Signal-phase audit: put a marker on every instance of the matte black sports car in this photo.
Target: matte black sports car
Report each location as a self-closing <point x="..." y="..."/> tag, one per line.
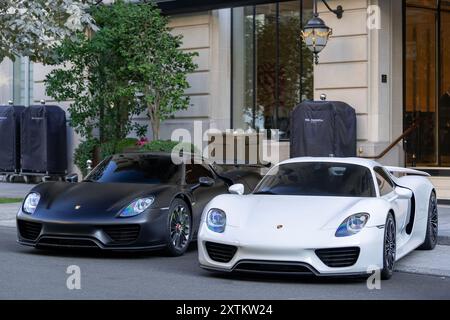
<point x="138" y="201"/>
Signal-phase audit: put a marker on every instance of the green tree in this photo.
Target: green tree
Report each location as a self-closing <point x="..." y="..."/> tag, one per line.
<point x="32" y="27"/>
<point x="130" y="65"/>
<point x="158" y="66"/>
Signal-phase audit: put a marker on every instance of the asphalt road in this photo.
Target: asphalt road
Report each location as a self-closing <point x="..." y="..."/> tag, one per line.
<point x="26" y="273"/>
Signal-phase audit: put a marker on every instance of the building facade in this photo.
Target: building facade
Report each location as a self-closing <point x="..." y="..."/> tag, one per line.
<point x="389" y="59"/>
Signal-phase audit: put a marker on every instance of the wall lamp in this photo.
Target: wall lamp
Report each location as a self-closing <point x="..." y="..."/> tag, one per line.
<point x="316" y="33"/>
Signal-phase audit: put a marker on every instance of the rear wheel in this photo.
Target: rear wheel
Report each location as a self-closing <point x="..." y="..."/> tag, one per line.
<point x="389" y="248"/>
<point x="179" y="228"/>
<point x="431" y="236"/>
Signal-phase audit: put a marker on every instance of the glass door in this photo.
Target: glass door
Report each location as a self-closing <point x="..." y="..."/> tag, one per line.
<point x="427" y="82"/>
<point x="444" y="91"/>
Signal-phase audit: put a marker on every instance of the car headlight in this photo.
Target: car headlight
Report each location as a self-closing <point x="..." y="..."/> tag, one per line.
<point x="136" y="207"/>
<point x="31" y="202"/>
<point x="216" y="220"/>
<point x="352" y="225"/>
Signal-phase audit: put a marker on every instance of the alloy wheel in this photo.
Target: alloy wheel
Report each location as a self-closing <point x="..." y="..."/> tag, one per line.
<point x="180" y="227"/>
<point x="390" y="245"/>
<point x="433" y="218"/>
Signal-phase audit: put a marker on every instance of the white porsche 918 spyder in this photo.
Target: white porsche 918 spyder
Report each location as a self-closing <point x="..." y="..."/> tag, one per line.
<point x="321" y="216"/>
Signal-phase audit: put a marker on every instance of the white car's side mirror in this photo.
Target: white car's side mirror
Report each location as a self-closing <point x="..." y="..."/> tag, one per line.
<point x="237" y="189"/>
<point x="403" y="193"/>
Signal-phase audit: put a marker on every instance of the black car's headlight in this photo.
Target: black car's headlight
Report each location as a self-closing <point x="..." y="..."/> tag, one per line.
<point x="31" y="202"/>
<point x="352" y="225"/>
<point x="216" y="220"/>
<point x="137" y="207"/>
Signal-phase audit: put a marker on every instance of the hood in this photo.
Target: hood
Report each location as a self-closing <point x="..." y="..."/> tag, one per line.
<point x="95" y="200"/>
<point x="301" y="217"/>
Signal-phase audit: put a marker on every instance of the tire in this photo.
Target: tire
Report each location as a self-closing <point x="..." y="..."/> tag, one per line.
<point x="179" y="228"/>
<point x="389" y="248"/>
<point x="431" y="236"/>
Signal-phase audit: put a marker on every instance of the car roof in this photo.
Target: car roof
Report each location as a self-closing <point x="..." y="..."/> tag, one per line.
<point x="162" y="154"/>
<point x="356" y="161"/>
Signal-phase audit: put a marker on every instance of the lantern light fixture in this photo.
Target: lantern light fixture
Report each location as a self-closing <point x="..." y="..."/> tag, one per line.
<point x="316" y="33"/>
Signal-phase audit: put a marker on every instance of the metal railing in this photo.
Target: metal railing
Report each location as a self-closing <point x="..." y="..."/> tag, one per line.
<point x="404" y="135"/>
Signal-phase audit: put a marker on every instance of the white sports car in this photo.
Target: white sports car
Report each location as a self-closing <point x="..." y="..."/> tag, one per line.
<point x="321" y="216"/>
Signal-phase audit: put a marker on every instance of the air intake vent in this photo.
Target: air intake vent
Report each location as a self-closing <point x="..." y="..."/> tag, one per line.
<point x="66" y="242"/>
<point x="123" y="234"/>
<point x="273" y="267"/>
<point x="29" y="230"/>
<point x="220" y="252"/>
<point x="338" y="257"/>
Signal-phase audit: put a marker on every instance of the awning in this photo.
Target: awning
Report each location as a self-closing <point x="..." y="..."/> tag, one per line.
<point x="186" y="6"/>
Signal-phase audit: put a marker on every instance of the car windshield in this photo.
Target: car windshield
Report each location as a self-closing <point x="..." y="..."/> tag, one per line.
<point x="318" y="179"/>
<point x="148" y="169"/>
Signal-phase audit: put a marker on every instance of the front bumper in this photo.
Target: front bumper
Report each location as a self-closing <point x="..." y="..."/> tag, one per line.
<point x="143" y="232"/>
<point x="270" y="257"/>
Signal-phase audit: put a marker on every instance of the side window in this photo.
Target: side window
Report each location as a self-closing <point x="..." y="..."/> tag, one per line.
<point x="195" y="171"/>
<point x="384" y="182"/>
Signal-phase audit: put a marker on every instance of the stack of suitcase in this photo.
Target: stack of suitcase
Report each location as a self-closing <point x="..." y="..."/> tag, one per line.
<point x="33" y="140"/>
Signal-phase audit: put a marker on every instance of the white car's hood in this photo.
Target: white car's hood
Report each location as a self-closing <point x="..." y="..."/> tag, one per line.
<point x="288" y="217"/>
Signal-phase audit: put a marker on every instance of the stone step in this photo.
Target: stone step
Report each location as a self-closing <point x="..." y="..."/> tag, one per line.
<point x="442" y="185"/>
<point x="440" y="177"/>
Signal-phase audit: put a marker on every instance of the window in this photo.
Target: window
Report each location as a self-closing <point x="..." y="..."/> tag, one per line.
<point x="22" y="81"/>
<point x="136" y="169"/>
<point x="324" y="179"/>
<point x="272" y="68"/>
<point x="384" y="182"/>
<point x="195" y="172"/>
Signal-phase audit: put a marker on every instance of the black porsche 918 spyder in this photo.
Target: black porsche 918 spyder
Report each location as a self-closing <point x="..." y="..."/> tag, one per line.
<point x="136" y="201"/>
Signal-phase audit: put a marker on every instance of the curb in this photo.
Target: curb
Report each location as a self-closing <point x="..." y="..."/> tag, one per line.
<point x="444" y="240"/>
<point x="422" y="271"/>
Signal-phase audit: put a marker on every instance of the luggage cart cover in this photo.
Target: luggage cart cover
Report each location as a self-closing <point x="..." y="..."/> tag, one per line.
<point x="44" y="139"/>
<point x="323" y="129"/>
<point x="10" y="138"/>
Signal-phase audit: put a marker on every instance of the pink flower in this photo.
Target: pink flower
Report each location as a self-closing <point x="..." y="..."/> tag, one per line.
<point x="142" y="141"/>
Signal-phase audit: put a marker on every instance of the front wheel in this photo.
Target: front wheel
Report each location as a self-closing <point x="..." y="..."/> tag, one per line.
<point x="389" y="248"/>
<point x="431" y="236"/>
<point x="179" y="228"/>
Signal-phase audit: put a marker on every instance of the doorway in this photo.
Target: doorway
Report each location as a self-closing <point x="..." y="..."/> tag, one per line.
<point x="427" y="82"/>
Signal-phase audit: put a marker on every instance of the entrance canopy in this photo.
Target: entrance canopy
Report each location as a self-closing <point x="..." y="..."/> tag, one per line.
<point x="183" y="6"/>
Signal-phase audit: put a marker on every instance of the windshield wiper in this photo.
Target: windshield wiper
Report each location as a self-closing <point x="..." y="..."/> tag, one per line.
<point x="265" y="192"/>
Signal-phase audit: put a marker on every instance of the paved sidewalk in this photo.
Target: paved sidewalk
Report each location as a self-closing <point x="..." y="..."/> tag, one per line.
<point x="444" y="225"/>
<point x="14" y="190"/>
<point x="436" y="262"/>
<point x="8" y="214"/>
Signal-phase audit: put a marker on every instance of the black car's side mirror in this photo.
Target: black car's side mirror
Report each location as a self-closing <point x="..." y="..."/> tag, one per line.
<point x="206" y="182"/>
<point x="72" y="178"/>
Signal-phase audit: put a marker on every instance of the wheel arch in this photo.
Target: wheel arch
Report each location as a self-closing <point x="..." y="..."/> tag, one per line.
<point x="391" y="210"/>
<point x="186" y="199"/>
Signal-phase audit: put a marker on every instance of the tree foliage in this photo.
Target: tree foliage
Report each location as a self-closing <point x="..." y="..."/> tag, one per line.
<point x="157" y="66"/>
<point x="131" y="65"/>
<point x="33" y="27"/>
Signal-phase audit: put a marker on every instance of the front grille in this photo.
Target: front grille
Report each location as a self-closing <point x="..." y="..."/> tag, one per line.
<point x="273" y="267"/>
<point x="220" y="252"/>
<point x="338" y="257"/>
<point x="29" y="230"/>
<point x="67" y="242"/>
<point x="122" y="234"/>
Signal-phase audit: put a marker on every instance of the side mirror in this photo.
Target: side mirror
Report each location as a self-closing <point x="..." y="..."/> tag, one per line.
<point x="237" y="189"/>
<point x="72" y="178"/>
<point x="206" y="182"/>
<point x="403" y="193"/>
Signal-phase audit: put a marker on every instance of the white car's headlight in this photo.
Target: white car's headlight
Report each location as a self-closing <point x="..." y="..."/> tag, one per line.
<point x="31" y="202"/>
<point x="216" y="220"/>
<point x="136" y="207"/>
<point x="352" y="225"/>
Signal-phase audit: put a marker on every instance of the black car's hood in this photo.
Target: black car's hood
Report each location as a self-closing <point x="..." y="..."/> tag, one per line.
<point x="92" y="200"/>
